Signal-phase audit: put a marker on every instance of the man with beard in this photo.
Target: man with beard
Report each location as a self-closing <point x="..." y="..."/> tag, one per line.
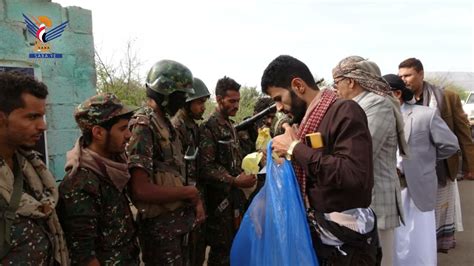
<point x="93" y="201"/>
<point x="30" y="233"/>
<point x="430" y="140"/>
<point x="167" y="210"/>
<point x="220" y="160"/>
<point x="449" y="106"/>
<point x="336" y="178"/>
<point x="188" y="132"/>
<point x="359" y="79"/>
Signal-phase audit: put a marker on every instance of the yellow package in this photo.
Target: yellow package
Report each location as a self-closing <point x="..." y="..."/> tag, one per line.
<point x="263" y="138"/>
<point x="250" y="167"/>
<point x="250" y="163"/>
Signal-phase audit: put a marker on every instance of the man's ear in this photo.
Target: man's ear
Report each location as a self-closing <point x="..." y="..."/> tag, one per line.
<point x="219" y="99"/>
<point x="98" y="132"/>
<point x="422" y="73"/>
<point x="298" y="85"/>
<point x="351" y="83"/>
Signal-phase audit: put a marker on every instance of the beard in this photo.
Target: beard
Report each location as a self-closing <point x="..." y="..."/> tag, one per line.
<point x="298" y="108"/>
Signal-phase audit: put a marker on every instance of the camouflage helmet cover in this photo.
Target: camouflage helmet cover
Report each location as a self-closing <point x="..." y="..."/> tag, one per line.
<point x="99" y="109"/>
<point x="167" y="76"/>
<point x="200" y="90"/>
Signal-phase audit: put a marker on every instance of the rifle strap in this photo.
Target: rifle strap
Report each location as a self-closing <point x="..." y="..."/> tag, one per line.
<point x="8" y="211"/>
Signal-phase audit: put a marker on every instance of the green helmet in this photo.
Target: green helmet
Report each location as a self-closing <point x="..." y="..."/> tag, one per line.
<point x="200" y="90"/>
<point x="167" y="76"/>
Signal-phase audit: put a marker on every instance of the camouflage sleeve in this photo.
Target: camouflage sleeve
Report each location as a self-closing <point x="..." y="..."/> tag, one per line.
<point x="210" y="168"/>
<point x="79" y="213"/>
<point x="140" y="148"/>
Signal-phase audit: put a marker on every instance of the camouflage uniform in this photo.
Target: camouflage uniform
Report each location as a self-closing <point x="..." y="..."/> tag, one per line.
<point x="156" y="148"/>
<point x="32" y="241"/>
<point x="93" y="207"/>
<point x="220" y="159"/>
<point x="30" y="238"/>
<point x="247" y="141"/>
<point x="188" y="132"/>
<point x="97" y="220"/>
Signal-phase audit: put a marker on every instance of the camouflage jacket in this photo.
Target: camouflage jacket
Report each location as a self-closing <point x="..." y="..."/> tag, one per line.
<point x="188" y="132"/>
<point x="247" y="144"/>
<point x="31" y="240"/>
<point x="156" y="148"/>
<point x="97" y="220"/>
<point x="30" y="232"/>
<point x="146" y="147"/>
<point x="219" y="157"/>
<point x="219" y="146"/>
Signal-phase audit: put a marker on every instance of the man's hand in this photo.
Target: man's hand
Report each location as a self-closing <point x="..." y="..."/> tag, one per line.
<point x="193" y="194"/>
<point x="245" y="181"/>
<point x="200" y="213"/>
<point x="281" y="143"/>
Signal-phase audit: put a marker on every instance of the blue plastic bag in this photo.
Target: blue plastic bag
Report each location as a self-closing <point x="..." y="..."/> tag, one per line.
<point x="274" y="230"/>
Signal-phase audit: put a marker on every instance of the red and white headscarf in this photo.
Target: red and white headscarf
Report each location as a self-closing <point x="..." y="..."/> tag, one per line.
<point x="310" y="123"/>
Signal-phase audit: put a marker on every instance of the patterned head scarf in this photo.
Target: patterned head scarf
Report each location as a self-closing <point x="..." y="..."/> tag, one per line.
<point x="365" y="72"/>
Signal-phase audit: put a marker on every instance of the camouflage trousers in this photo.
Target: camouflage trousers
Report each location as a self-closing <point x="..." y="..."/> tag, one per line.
<point x="220" y="234"/>
<point x="197" y="246"/>
<point x="163" y="239"/>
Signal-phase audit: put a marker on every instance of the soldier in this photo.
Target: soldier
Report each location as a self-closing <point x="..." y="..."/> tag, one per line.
<point x="221" y="160"/>
<point x="30" y="233"/>
<point x="168" y="211"/>
<point x="188" y="131"/>
<point x="247" y="138"/>
<point x="94" y="206"/>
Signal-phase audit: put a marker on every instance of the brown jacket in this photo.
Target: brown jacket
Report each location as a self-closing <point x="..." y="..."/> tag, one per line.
<point x="340" y="174"/>
<point x="452" y="113"/>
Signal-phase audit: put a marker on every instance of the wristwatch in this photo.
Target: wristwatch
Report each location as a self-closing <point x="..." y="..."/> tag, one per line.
<point x="289" y="153"/>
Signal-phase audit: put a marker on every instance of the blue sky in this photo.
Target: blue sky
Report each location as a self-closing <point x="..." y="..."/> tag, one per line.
<point x="239" y="38"/>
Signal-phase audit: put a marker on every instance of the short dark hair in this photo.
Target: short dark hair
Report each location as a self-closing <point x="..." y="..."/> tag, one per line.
<point x="13" y="85"/>
<point x="282" y="70"/>
<point x="262" y="103"/>
<point x="411" y="62"/>
<point x="107" y="125"/>
<point x="225" y="84"/>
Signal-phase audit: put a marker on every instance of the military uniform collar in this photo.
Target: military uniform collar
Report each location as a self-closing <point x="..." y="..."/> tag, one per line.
<point x="222" y="120"/>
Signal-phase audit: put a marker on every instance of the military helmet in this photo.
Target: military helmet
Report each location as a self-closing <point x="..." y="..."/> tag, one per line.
<point x="168" y="76"/>
<point x="200" y="90"/>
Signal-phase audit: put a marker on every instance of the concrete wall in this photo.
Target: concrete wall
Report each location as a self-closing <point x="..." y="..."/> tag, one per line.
<point x="70" y="79"/>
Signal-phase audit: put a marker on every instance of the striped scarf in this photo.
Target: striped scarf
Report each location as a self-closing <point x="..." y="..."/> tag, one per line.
<point x="310" y="124"/>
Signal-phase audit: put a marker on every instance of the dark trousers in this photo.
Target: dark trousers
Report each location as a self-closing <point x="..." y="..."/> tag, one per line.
<point x="220" y="234"/>
<point x="197" y="246"/>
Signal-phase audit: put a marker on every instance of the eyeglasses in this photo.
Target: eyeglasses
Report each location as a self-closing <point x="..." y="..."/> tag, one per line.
<point x="335" y="82"/>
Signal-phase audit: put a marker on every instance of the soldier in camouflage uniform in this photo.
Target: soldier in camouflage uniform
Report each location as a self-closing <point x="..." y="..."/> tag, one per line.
<point x="168" y="211"/>
<point x="248" y="137"/>
<point x="220" y="159"/>
<point x="94" y="206"/>
<point x="30" y="232"/>
<point x="188" y="132"/>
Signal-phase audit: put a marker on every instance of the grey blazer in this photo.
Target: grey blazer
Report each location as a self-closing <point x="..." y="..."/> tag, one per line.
<point x="429" y="140"/>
